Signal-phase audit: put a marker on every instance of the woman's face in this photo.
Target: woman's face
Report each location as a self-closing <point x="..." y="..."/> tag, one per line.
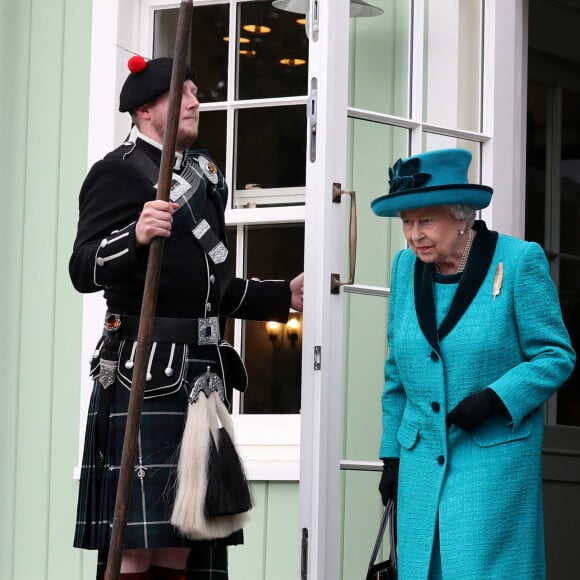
<point x="433" y="235"/>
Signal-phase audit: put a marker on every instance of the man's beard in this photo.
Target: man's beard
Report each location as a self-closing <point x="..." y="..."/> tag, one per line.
<point x="185" y="140"/>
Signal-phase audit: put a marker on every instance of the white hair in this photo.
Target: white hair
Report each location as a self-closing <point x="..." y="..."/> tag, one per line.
<point x="463" y="212"/>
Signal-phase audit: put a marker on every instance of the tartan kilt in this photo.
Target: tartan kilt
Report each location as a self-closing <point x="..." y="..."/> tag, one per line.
<point x="154" y="479"/>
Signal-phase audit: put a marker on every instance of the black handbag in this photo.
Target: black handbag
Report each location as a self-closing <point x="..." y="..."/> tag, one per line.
<point x="386" y="570"/>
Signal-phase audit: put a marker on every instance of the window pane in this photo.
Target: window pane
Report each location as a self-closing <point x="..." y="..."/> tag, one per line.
<point x="270" y="152"/>
<point x="273" y="57"/>
<point x="209" y="51"/>
<point x="379" y="48"/>
<point x="453" y="63"/>
<point x="273" y="357"/>
<point x="212" y="136"/>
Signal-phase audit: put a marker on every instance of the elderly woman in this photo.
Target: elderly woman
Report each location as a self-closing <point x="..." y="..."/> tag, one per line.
<point x="476" y="345"/>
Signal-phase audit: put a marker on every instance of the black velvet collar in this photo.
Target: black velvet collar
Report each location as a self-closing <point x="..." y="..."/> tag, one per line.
<point x="472" y="278"/>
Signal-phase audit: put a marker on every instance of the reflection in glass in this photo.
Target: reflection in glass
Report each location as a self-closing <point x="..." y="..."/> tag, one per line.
<point x="274" y="36"/>
<point x="381" y="84"/>
<point x="208" y="53"/>
<point x="273" y="352"/>
<point x="271" y="147"/>
<point x="453" y="48"/>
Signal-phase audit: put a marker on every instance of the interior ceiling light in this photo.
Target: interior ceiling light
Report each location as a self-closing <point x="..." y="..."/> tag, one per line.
<point x="257" y="28"/>
<point x="358" y="8"/>
<point x="292" y="61"/>
<point x="242" y="39"/>
<point x="244" y="52"/>
<point x="301" y="21"/>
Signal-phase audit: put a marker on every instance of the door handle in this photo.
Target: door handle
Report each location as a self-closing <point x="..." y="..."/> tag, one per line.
<point x="335" y="281"/>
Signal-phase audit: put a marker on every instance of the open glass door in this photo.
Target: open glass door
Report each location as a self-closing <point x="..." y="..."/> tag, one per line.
<point x="406" y="80"/>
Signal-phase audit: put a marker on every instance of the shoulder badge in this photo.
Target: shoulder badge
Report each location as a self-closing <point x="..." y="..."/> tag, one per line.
<point x="209" y="169"/>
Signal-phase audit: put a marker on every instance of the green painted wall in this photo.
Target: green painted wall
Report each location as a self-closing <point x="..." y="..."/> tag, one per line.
<point x="44" y="53"/>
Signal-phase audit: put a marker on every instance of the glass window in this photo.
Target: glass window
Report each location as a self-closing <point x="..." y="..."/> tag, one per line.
<point x="270" y="151"/>
<point x="373" y="79"/>
<point x="208" y="53"/>
<point x="267" y="163"/>
<point x="273" y="55"/>
<point x="261" y="148"/>
<point x="273" y="352"/>
<point x="452" y="63"/>
<point x="212" y="135"/>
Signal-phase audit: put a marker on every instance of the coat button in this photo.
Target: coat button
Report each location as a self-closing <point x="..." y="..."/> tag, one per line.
<point x="434" y="356"/>
<point x="211" y="279"/>
<point x="441" y="460"/>
<point x="100" y="262"/>
<point x="435" y="406"/>
<point x="208" y="307"/>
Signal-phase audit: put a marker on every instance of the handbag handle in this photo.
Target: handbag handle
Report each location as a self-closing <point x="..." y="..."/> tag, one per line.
<point x="389" y="518"/>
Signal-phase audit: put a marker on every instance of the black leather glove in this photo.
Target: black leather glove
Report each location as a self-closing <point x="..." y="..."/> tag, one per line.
<point x="474" y="410"/>
<point x="389" y="479"/>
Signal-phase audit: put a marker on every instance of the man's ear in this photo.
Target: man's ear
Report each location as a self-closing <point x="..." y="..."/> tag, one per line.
<point x="143" y="111"/>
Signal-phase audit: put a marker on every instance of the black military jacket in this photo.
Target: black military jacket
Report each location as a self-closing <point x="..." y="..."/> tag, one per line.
<point x="105" y="256"/>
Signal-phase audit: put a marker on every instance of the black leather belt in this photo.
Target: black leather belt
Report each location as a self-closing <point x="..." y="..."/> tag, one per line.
<point x="198" y="331"/>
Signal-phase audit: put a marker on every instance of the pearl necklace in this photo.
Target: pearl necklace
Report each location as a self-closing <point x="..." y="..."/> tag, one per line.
<point x="464" y="256"/>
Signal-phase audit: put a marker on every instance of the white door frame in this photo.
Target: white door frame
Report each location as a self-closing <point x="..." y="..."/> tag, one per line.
<point x="325" y="237"/>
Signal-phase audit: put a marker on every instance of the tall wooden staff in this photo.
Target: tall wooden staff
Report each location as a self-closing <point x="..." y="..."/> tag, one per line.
<point x="149" y="297"/>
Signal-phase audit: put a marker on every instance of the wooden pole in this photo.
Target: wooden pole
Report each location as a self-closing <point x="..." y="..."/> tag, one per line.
<point x="149" y="298"/>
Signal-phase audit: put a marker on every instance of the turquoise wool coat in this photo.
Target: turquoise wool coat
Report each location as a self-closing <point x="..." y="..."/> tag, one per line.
<point x="477" y="495"/>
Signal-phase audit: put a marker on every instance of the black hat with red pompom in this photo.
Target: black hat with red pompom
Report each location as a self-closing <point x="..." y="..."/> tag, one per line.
<point x="148" y="79"/>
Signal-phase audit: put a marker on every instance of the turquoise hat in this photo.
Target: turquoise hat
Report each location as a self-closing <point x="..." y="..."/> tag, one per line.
<point x="430" y="179"/>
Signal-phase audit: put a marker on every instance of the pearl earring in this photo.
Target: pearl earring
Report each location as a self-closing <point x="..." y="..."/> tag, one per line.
<point x="461" y="232"/>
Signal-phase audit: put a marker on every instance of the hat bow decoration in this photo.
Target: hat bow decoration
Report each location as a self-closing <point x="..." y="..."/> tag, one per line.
<point x="405" y="175"/>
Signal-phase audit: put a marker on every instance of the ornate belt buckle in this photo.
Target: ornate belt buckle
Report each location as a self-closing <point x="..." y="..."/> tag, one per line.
<point x="208" y="331"/>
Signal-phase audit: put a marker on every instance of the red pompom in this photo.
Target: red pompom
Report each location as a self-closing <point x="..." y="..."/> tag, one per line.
<point x="137" y="64"/>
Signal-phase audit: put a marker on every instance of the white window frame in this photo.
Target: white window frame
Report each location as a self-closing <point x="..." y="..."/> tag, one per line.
<point x="268" y="444"/>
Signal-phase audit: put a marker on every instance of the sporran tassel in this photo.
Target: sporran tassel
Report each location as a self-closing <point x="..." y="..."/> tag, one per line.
<point x="201" y="466"/>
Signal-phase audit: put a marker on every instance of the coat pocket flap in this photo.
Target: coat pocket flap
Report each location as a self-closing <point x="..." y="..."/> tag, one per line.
<point x="407" y="435"/>
<point x="496" y="431"/>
